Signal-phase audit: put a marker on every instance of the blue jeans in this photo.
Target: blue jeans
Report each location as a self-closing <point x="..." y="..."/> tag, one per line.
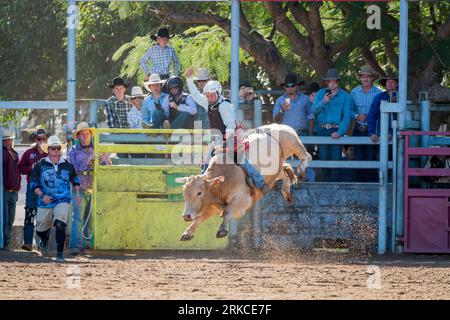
<point x="329" y="152"/>
<point x="30" y="213"/>
<point x="367" y="153"/>
<point x="257" y="178"/>
<point x="80" y="214"/>
<point x="9" y="213"/>
<point x="158" y="117"/>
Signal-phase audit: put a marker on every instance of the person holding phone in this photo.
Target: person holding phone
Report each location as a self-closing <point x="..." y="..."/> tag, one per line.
<point x="332" y="109"/>
<point x="293" y="108"/>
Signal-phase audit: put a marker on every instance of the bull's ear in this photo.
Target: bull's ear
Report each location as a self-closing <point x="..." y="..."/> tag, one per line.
<point x="181" y="180"/>
<point x="214" y="181"/>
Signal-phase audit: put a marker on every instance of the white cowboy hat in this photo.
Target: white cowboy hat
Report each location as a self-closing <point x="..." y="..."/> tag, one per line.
<point x="203" y="74"/>
<point x="137" y="92"/>
<point x="80" y="127"/>
<point x="153" y="79"/>
<point x="7" y="135"/>
<point x="52" y="141"/>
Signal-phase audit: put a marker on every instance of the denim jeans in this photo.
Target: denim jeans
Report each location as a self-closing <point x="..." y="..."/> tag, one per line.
<point x="257" y="178"/>
<point x="329" y="152"/>
<point x="367" y="153"/>
<point x="158" y="117"/>
<point x="80" y="214"/>
<point x="9" y="213"/>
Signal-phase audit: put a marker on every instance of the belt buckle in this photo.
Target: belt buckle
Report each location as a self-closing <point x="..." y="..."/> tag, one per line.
<point x="328" y="126"/>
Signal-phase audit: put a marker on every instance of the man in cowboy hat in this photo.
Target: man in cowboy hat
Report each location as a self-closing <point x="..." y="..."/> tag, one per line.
<point x="118" y="105"/>
<point x="50" y="180"/>
<point x="202" y="77"/>
<point x="11" y="184"/>
<point x="153" y="102"/>
<point x="293" y="109"/>
<point x="332" y="109"/>
<point x="390" y="82"/>
<point x="26" y="164"/>
<point x="82" y="156"/>
<point x="161" y="56"/>
<point x="135" y="114"/>
<point x="362" y="97"/>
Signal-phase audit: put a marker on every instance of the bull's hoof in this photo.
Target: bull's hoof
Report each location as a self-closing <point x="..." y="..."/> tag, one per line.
<point x="221" y="233"/>
<point x="186" y="237"/>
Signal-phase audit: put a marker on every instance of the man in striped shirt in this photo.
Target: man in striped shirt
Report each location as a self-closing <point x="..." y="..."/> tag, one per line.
<point x="161" y="56"/>
<point x="118" y="105"/>
<point x="362" y="97"/>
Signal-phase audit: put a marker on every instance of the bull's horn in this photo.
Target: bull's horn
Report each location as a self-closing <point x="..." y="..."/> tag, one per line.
<point x="181" y="179"/>
<point x="218" y="179"/>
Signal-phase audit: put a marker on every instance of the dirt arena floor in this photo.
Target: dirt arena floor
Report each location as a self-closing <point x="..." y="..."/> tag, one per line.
<point x="223" y="275"/>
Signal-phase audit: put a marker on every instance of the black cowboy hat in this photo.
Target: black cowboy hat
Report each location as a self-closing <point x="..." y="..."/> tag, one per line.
<point x="163" y="33"/>
<point x="37" y="133"/>
<point x="291" y="79"/>
<point x="244" y="83"/>
<point x="390" y="75"/>
<point x="313" y="87"/>
<point x="117" y="81"/>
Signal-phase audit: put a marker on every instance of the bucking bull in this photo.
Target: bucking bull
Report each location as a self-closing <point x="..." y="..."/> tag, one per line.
<point x="223" y="190"/>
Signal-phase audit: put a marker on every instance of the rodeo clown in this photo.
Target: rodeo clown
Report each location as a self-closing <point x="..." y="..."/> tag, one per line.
<point x="26" y="164"/>
<point x="222" y="117"/>
<point x="50" y="180"/>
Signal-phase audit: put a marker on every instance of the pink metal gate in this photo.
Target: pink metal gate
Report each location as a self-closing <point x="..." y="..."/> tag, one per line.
<point x="427" y="211"/>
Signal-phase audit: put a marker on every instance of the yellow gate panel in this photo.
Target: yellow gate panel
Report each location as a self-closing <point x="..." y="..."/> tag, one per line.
<point x="131" y="178"/>
<point x="130" y="220"/>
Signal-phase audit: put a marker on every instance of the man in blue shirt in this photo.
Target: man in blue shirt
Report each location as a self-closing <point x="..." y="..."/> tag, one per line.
<point x="292" y="108"/>
<point x="390" y="82"/>
<point x="153" y="103"/>
<point x="332" y="109"/>
<point x="362" y="97"/>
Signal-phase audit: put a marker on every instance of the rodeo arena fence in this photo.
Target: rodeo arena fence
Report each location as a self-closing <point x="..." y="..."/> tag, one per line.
<point x="138" y="205"/>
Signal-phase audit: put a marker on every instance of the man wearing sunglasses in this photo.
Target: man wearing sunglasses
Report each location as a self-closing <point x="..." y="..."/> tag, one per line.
<point x="293" y="109"/>
<point x="50" y="180"/>
<point x="26" y="164"/>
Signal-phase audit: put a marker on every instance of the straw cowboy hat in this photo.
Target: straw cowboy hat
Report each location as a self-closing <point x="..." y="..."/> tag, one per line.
<point x="153" y="79"/>
<point x="7" y="135"/>
<point x="203" y="74"/>
<point x="118" y="81"/>
<point x="162" y="33"/>
<point x="136" y="92"/>
<point x="390" y="75"/>
<point x="332" y="74"/>
<point x="51" y="142"/>
<point x="39" y="133"/>
<point x="80" y="127"/>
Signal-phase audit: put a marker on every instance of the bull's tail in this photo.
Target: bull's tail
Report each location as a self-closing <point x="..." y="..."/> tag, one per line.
<point x="290" y="173"/>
